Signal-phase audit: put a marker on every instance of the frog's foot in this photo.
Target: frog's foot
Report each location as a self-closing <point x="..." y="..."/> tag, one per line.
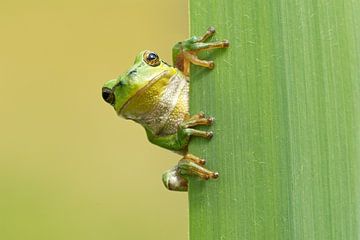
<point x="185" y="52"/>
<point x="198" y="120"/>
<point x="195" y="159"/>
<point x="176" y="178"/>
<point x="190" y="168"/>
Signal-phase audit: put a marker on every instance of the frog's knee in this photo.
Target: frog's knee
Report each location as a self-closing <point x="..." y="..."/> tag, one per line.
<point x="174" y="181"/>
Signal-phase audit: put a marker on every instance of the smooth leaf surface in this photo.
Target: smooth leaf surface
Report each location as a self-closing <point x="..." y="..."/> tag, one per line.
<point x="285" y="97"/>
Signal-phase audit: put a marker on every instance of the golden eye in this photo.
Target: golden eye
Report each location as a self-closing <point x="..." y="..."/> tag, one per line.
<point x="152" y="59"/>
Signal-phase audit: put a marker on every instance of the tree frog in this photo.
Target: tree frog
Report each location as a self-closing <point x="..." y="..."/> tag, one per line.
<point x="156" y="95"/>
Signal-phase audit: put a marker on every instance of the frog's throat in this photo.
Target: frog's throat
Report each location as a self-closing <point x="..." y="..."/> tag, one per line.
<point x="159" y="117"/>
<point x="166" y="73"/>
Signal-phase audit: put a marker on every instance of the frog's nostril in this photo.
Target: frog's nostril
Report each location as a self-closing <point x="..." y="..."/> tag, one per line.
<point x="108" y="95"/>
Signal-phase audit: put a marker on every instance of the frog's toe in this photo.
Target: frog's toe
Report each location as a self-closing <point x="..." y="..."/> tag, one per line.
<point x="190" y="168"/>
<point x="211" y="65"/>
<point x="211" y="120"/>
<point x="195" y="159"/>
<point x="210" y="31"/>
<point x="198" y="133"/>
<point x="190" y="52"/>
<point x="200" y="46"/>
<point x="201" y="114"/>
<point x="226" y="43"/>
<point x="209" y="134"/>
<point x="197" y="120"/>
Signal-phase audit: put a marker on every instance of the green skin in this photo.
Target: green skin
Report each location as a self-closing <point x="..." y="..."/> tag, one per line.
<point x="155" y="94"/>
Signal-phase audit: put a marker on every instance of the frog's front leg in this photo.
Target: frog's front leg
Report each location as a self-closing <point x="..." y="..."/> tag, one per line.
<point x="197" y="120"/>
<point x="180" y="139"/>
<point x="185" y="52"/>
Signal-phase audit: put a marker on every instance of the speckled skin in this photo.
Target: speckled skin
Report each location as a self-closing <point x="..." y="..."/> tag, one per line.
<point x="161" y="106"/>
<point x="156" y="95"/>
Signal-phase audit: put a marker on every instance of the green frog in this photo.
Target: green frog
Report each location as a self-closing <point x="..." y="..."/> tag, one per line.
<point x="156" y="95"/>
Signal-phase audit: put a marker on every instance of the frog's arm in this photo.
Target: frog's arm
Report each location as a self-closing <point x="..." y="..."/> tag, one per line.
<point x="185" y="52"/>
<point x="179" y="140"/>
<point x="176" y="142"/>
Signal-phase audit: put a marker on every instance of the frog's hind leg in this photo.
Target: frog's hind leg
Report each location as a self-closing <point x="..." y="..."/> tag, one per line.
<point x="190" y="168"/>
<point x="173" y="180"/>
<point x="176" y="179"/>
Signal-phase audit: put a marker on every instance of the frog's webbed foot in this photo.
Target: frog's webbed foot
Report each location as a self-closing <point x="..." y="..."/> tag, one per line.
<point x="197" y="120"/>
<point x="189" y="167"/>
<point x="185" y="52"/>
<point x="176" y="179"/>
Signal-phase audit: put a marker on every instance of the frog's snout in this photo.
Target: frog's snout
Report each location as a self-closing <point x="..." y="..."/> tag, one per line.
<point x="108" y="95"/>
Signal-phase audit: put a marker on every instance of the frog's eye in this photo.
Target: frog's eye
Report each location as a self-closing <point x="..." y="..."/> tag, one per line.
<point x="152" y="59"/>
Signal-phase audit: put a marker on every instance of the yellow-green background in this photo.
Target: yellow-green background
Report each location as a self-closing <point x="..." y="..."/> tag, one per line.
<point x="69" y="167"/>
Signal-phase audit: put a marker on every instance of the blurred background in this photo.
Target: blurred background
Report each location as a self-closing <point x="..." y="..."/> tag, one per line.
<point x="69" y="167"/>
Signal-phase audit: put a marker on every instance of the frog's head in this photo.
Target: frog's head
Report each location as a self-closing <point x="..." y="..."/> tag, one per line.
<point x="147" y="66"/>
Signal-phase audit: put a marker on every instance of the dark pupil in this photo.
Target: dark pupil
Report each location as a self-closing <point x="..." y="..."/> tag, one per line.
<point x="152" y="56"/>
